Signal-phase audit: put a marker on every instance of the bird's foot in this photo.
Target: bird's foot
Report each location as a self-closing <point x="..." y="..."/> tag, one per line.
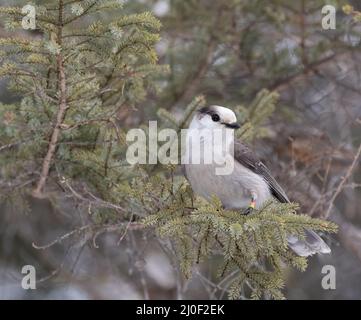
<point x="250" y="208"/>
<point x="248" y="211"/>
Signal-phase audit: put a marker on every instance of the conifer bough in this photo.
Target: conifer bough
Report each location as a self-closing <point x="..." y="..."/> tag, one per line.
<point x="62" y="106"/>
<point x="64" y="137"/>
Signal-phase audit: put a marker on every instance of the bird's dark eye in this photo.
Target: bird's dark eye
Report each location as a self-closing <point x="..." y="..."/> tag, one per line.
<point x="215" y="117"/>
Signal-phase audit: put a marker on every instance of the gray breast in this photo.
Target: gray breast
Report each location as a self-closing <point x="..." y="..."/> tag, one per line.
<point x="234" y="190"/>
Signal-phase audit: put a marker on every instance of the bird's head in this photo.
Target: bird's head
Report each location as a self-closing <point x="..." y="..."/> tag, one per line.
<point x="215" y="117"/>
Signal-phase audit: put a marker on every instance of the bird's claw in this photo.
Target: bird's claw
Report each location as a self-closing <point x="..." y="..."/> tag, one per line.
<point x="248" y="211"/>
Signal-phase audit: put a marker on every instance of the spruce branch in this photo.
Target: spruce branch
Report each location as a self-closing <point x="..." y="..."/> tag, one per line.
<point x="62" y="108"/>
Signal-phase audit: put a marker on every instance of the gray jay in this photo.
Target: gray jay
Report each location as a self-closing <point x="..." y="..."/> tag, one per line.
<point x="248" y="186"/>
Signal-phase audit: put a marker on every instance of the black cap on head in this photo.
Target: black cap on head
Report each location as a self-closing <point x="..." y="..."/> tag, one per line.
<point x="207" y="110"/>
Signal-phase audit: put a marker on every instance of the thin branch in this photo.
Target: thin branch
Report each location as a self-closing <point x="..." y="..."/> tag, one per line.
<point x="98" y="229"/>
<point x="343" y="181"/>
<point x="63" y="237"/>
<point x="94" y="201"/>
<point x="38" y="191"/>
<point x="11" y="145"/>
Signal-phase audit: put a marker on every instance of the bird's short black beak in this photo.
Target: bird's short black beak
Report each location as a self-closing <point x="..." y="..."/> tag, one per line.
<point x="233" y="125"/>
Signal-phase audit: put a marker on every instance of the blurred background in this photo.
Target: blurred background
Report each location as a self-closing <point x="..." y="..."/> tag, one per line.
<point x="227" y="50"/>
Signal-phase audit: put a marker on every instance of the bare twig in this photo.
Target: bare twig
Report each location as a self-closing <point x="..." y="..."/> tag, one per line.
<point x="92" y="228"/>
<point x="126" y="230"/>
<point x="11" y="145"/>
<point x="63" y="237"/>
<point x="343" y="181"/>
<point x="94" y="201"/>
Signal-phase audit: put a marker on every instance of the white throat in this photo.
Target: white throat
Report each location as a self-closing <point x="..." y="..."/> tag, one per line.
<point x="207" y="145"/>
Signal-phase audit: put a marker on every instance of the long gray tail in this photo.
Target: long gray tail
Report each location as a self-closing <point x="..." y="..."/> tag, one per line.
<point x="312" y="244"/>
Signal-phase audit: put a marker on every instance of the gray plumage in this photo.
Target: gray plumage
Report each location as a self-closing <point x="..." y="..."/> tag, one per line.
<point x="313" y="243"/>
<point x="250" y="177"/>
